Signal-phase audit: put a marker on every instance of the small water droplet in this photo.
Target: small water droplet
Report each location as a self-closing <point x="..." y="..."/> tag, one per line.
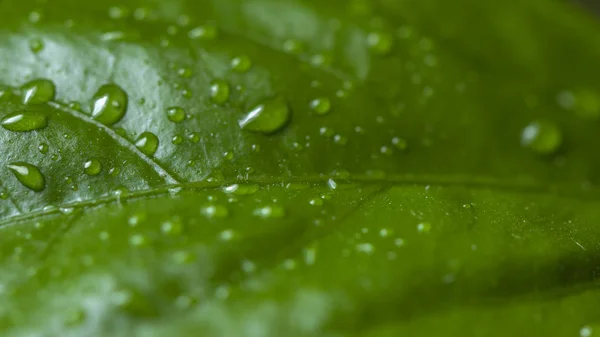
<point x="332" y="184"/>
<point x="380" y="43"/>
<point x="424" y="227"/>
<point x="38" y="91"/>
<point x="227" y="235"/>
<point x="147" y="143"/>
<point x="248" y="266"/>
<point x="138" y="240"/>
<point x="24" y="121"/>
<point x="542" y="136"/>
<point x="3" y="195"/>
<point x="219" y="91"/>
<point x="194" y="137"/>
<point x="118" y="12"/>
<point x="29" y="175"/>
<point x="109" y="104"/>
<point x="293" y="46"/>
<point x="241" y="64"/>
<point x="399" y="143"/>
<point x="270" y="212"/>
<point x="267" y="117"/>
<point x="240" y="189"/>
<point x="366" y="248"/>
<point x="177" y="139"/>
<point x="320" y="106"/>
<point x="316" y="202"/>
<point x="172" y="227"/>
<point x="36" y="45"/>
<point x="176" y="114"/>
<point x="92" y="167"/>
<point x="185" y="72"/>
<point x="114" y="171"/>
<point x="205" y="32"/>
<point x="215" y="211"/>
<point x="340" y="140"/>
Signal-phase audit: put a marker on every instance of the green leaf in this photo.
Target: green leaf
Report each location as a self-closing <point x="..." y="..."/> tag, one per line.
<point x="298" y="168"/>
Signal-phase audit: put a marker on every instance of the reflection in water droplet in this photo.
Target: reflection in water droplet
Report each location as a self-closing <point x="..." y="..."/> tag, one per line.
<point x="267" y="117"/>
<point x="148" y="143"/>
<point x="92" y="167"/>
<point x="219" y="91"/>
<point x="205" y="32"/>
<point x="176" y="114"/>
<point x="29" y="175"/>
<point x="215" y="211"/>
<point x="38" y="91"/>
<point x="24" y="121"/>
<point x="241" y="64"/>
<point x="321" y="106"/>
<point x="270" y="212"/>
<point x="238" y="189"/>
<point x="109" y="104"/>
<point x="543" y="137"/>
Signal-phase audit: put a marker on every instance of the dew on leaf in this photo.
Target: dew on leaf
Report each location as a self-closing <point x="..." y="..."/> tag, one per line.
<point x="248" y="266"/>
<point x="177" y="139"/>
<point x="585" y="331"/>
<point x="320" y="60"/>
<point x="399" y="143"/>
<point x="3" y="195"/>
<point x="24" y="121"/>
<point x="316" y="202"/>
<point x="29" y="175"/>
<point x="424" y="227"/>
<point x="240" y="189"/>
<point x="270" y="212"/>
<point x="543" y="137"/>
<point x="184" y="72"/>
<point x="38" y="91"/>
<point x="399" y="242"/>
<point x="215" y="211"/>
<point x="194" y="137"/>
<point x="147" y="143"/>
<point x="386" y="150"/>
<point x="205" y="32"/>
<point x="332" y="184"/>
<point x="320" y="106"/>
<point x="340" y="140"/>
<point x="269" y="116"/>
<point x="172" y="227"/>
<point x="114" y="171"/>
<point x="219" y="91"/>
<point x="36" y="45"/>
<point x="109" y="104"/>
<point x="118" y="12"/>
<point x="380" y="43"/>
<point x="241" y="64"/>
<point x="92" y="167"/>
<point x="176" y="114"/>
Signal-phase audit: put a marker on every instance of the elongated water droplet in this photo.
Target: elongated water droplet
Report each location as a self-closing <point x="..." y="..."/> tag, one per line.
<point x="267" y="117"/>
<point x="110" y="104"/>
<point x="321" y="106"/>
<point x="241" y="64"/>
<point x="176" y="114"/>
<point x="148" y="143"/>
<point x="24" y="121"/>
<point x="219" y="91"/>
<point x="542" y="136"/>
<point x="29" y="175"/>
<point x="92" y="167"/>
<point x="38" y="91"/>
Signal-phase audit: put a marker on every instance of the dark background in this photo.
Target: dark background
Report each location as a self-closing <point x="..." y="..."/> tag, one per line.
<point x="593" y="5"/>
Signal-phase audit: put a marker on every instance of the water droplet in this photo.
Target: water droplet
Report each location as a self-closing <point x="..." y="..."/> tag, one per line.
<point x="270" y="212"/>
<point x="3" y="195"/>
<point x="219" y="91"/>
<point x="184" y="72"/>
<point x="267" y="117"/>
<point x="176" y="114"/>
<point x="29" y="175"/>
<point x="316" y="202"/>
<point x="38" y="91"/>
<point x="110" y="104"/>
<point x="380" y="43"/>
<point x="424" y="227"/>
<point x="36" y="45"/>
<point x="399" y="242"/>
<point x="24" y="121"/>
<point x="340" y="140"/>
<point x="177" y="139"/>
<point x="241" y="64"/>
<point x="114" y="171"/>
<point x="293" y="46"/>
<point x="92" y="167"/>
<point x="147" y="142"/>
<point x="248" y="266"/>
<point x="366" y="248"/>
<point x="332" y="184"/>
<point x="194" y="137"/>
<point x="542" y="136"/>
<point x="205" y="32"/>
<point x="215" y="211"/>
<point x="227" y="235"/>
<point x="238" y="189"/>
<point x="138" y="240"/>
<point x="399" y="143"/>
<point x="321" y="106"/>
<point x="172" y="227"/>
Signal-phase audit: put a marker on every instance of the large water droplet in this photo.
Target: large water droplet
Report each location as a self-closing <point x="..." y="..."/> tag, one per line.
<point x="542" y="136"/>
<point x="92" y="167"/>
<point x="267" y="117"/>
<point x="29" y="175"/>
<point x="219" y="91"/>
<point x="38" y="91"/>
<point x="24" y="121"/>
<point x="148" y="143"/>
<point x="176" y="114"/>
<point x="110" y="104"/>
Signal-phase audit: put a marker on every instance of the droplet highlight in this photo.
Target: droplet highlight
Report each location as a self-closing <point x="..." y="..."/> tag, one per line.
<point x="176" y="114"/>
<point x="92" y="167"/>
<point x="219" y="91"/>
<point x="268" y="117"/>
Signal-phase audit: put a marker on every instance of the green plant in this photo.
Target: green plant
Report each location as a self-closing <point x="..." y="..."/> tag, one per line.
<point x="298" y="168"/>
